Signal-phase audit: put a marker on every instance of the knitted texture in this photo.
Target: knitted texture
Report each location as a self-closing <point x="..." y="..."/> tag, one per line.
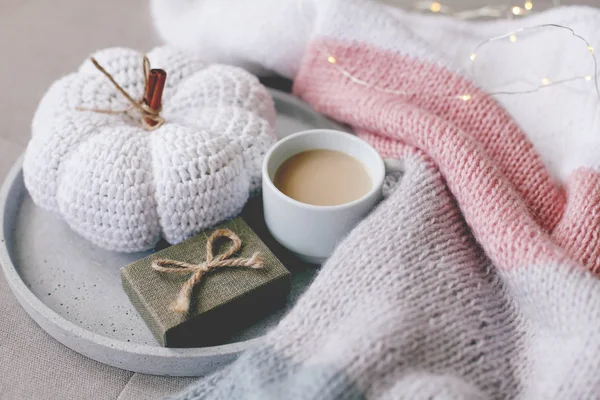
<point x="123" y="187"/>
<point x="475" y="278"/>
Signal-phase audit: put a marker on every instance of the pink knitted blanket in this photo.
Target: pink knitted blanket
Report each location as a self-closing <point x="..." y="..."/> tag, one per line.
<point x="476" y="277"/>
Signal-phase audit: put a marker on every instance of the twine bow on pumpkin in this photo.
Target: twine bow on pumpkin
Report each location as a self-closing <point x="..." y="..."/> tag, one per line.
<point x="149" y="106"/>
<point x="182" y="303"/>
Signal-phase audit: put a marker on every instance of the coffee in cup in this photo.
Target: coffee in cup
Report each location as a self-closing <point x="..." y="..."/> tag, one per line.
<point x="323" y="177"/>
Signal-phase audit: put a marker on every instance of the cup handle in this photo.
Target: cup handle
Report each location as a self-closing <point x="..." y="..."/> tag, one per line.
<point x="393" y="165"/>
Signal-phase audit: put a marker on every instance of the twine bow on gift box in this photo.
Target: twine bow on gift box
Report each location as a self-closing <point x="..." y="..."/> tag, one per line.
<point x="182" y="303"/>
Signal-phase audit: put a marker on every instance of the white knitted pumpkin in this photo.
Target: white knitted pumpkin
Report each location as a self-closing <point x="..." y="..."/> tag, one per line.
<point x="122" y="186"/>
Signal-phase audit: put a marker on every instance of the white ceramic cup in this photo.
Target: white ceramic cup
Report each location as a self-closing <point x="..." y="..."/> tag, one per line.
<point x="310" y="231"/>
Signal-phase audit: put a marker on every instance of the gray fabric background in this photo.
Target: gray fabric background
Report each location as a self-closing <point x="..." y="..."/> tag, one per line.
<point x="39" y="42"/>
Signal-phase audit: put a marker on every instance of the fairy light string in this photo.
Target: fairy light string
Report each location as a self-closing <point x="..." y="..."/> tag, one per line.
<point x="546" y="82"/>
<point x="512" y="37"/>
<point x="487" y="11"/>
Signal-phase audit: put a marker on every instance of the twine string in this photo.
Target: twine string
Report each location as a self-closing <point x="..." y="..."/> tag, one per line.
<point x="146" y="112"/>
<point x="181" y="304"/>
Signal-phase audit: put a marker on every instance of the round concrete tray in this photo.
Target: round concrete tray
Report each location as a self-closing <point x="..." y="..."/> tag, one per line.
<point x="72" y="289"/>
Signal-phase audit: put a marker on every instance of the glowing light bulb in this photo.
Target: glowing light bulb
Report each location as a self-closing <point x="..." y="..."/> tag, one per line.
<point x="545" y="81"/>
<point x="473" y="57"/>
<point x="331" y="59"/>
<point x="513" y="38"/>
<point x="591" y="49"/>
<point x="465" y="97"/>
<point x="516" y="10"/>
<point x="528" y="5"/>
<point x="587" y="77"/>
<point x="435" y="7"/>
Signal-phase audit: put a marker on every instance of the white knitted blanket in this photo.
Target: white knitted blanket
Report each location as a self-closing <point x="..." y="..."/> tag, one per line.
<point x="476" y="277"/>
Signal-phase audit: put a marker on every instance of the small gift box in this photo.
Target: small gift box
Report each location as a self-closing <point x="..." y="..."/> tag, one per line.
<point x="200" y="291"/>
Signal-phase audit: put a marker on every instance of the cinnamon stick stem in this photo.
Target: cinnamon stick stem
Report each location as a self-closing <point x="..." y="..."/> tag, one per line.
<point x="161" y="77"/>
<point x="154" y="91"/>
<point x="149" y="90"/>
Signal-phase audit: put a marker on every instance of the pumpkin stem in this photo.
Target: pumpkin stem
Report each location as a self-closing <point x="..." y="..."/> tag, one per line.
<point x="153" y="92"/>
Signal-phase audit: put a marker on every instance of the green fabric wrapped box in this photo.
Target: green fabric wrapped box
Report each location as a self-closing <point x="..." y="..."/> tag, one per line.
<point x="222" y="298"/>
